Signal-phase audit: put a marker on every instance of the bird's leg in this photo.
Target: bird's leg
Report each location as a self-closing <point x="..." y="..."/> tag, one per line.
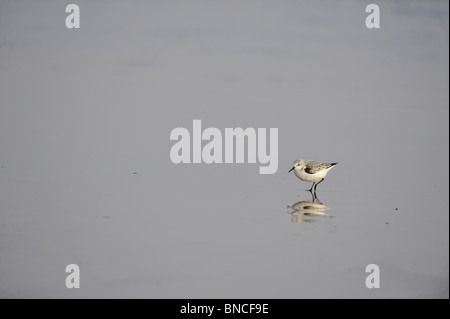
<point x="314" y="197"/>
<point x="310" y="190"/>
<point x="318" y="184"/>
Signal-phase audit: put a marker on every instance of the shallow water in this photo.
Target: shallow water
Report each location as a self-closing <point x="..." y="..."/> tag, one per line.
<point x="86" y="178"/>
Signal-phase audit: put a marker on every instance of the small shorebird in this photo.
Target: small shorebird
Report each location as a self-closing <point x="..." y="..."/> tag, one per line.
<point x="311" y="171"/>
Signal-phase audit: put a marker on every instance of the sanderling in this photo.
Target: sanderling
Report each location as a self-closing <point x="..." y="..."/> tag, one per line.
<point x="311" y="171"/>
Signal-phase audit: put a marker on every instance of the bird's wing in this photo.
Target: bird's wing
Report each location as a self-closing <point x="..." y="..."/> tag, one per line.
<point x="314" y="167"/>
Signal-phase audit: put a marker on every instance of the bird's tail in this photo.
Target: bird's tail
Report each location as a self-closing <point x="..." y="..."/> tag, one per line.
<point x="333" y="164"/>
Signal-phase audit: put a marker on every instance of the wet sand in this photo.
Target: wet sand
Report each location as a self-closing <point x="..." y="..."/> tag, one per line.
<point x="86" y="177"/>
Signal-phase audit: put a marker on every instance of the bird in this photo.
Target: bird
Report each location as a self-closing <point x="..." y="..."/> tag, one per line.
<point x="311" y="171"/>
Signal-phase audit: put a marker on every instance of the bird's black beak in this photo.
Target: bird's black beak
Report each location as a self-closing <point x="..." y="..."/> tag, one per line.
<point x="291" y="169"/>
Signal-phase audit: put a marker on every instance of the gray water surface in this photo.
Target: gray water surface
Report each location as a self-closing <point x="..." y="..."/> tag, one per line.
<point x="86" y="177"/>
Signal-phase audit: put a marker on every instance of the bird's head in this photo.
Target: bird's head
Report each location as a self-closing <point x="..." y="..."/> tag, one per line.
<point x="298" y="165"/>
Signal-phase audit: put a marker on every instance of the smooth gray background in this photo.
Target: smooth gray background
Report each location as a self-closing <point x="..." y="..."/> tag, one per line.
<point x="81" y="110"/>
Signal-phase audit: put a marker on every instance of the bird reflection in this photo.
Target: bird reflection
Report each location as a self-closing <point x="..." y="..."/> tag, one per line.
<point x="307" y="211"/>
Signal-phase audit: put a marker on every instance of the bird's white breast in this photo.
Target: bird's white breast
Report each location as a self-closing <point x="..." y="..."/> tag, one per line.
<point x="310" y="177"/>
